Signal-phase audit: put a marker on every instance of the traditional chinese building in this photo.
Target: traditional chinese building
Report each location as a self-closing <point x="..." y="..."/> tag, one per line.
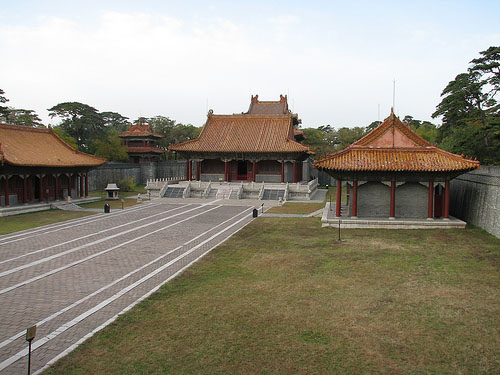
<point x="258" y="145"/>
<point x="36" y="166"/>
<point x="142" y="143"/>
<point x="393" y="172"/>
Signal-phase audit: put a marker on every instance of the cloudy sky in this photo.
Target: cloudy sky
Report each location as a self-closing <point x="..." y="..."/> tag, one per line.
<point x="336" y="60"/>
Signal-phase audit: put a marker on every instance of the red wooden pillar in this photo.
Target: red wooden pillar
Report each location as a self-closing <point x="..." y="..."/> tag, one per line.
<point x="6" y="190"/>
<point x="187" y="170"/>
<point x="198" y="170"/>
<point x="70" y="185"/>
<point x="430" y="201"/>
<point x="77" y="185"/>
<point x="41" y="188"/>
<point x="339" y="198"/>
<point x="355" y="198"/>
<point x="31" y="190"/>
<point x="393" y="200"/>
<point x="56" y="192"/>
<point x="282" y="171"/>
<point x="446" y="200"/>
<point x="254" y="172"/>
<point x="81" y="184"/>
<point x="86" y="185"/>
<point x="25" y="189"/>
<point x="225" y="170"/>
<point x="294" y="171"/>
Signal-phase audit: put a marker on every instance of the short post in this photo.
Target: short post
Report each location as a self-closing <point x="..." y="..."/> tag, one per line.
<point x="262" y="207"/>
<point x="122" y="203"/>
<point x="339" y="239"/>
<point x="30" y="335"/>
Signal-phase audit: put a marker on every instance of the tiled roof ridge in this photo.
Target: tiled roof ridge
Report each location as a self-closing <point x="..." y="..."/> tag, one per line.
<point x="138" y="128"/>
<point x="248" y="115"/>
<point x="391" y="121"/>
<point x="24" y="128"/>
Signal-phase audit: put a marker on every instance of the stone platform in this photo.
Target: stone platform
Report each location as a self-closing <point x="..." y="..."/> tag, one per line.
<point x="328" y="219"/>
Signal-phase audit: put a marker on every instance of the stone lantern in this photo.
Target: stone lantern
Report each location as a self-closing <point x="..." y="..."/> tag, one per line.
<point x="112" y="192"/>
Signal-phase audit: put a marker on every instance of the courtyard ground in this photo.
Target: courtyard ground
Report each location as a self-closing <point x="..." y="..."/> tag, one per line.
<point x="282" y="296"/>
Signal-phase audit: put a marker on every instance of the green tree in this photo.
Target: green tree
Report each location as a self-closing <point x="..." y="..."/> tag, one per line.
<point x="110" y="148"/>
<point x="487" y="67"/>
<point x="24" y="117"/>
<point x="113" y="120"/>
<point x="66" y="138"/>
<point x="4" y="110"/>
<point x="80" y="121"/>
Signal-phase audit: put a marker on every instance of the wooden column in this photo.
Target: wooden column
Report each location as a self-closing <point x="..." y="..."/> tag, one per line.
<point x="446" y="200"/>
<point x="187" y="169"/>
<point x="430" y="201"/>
<point x="25" y="189"/>
<point x="70" y="185"/>
<point x="56" y="192"/>
<point x="40" y="197"/>
<point x="294" y="171"/>
<point x="393" y="200"/>
<point x="254" y="165"/>
<point x="77" y="185"/>
<point x="225" y="171"/>
<point x="282" y="171"/>
<point x="198" y="170"/>
<point x="355" y="198"/>
<point x="81" y="184"/>
<point x="86" y="184"/>
<point x="32" y="195"/>
<point x="339" y="198"/>
<point x="6" y="190"/>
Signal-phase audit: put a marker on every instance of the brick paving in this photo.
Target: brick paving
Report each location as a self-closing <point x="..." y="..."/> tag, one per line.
<point x="71" y="278"/>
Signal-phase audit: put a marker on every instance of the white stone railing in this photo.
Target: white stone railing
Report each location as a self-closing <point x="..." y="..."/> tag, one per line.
<point x="261" y="191"/>
<point x="206" y="192"/>
<point x="287" y="190"/>
<point x="312" y="185"/>
<point x="187" y="191"/>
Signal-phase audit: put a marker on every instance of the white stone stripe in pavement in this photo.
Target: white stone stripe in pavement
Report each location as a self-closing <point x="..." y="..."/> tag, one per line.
<point x="76" y="303"/>
<point x="129" y="307"/>
<point x="72" y="250"/>
<point x="89" y="235"/>
<point x="74" y="223"/>
<point x="36" y="278"/>
<point x="107" y="301"/>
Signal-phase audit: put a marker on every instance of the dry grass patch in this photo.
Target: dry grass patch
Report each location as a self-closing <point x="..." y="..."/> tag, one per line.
<point x="282" y="296"/>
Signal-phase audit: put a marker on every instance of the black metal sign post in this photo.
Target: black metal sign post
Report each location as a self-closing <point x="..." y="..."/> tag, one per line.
<point x="30" y="335"/>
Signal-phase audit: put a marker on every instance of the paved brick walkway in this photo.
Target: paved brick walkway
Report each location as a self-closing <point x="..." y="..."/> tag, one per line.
<point x="73" y="278"/>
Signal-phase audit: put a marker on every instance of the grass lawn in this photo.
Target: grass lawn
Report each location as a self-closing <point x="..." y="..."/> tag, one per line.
<point x="9" y="224"/>
<point x="116" y="204"/>
<point x="303" y="208"/>
<point x="283" y="297"/>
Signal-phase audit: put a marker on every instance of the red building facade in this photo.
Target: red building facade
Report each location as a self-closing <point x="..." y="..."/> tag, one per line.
<point x="37" y="166"/>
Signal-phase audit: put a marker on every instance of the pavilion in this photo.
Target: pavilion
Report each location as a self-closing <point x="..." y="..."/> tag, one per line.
<point x="259" y="145"/>
<point x="36" y="166"/>
<point x="142" y="143"/>
<point x="394" y="173"/>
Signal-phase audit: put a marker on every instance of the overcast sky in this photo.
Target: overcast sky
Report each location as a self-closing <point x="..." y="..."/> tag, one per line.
<point x="336" y="60"/>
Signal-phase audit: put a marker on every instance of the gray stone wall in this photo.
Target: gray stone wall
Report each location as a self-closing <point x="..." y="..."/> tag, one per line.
<point x="373" y="200"/>
<point x="411" y="200"/>
<point x="475" y="198"/>
<point x="114" y="172"/>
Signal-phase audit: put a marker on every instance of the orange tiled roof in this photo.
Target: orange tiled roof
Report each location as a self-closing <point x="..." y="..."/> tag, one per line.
<point x="244" y="133"/>
<point x="140" y="130"/>
<point x="145" y="149"/>
<point x="393" y="146"/>
<point x="41" y="147"/>
<point x="268" y="107"/>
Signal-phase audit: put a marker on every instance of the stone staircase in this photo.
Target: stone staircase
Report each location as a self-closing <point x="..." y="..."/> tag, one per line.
<point x="173" y="192"/>
<point x="273" y="194"/>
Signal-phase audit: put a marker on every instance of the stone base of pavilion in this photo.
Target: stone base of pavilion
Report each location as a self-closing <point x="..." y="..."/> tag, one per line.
<point x="34" y="207"/>
<point x="300" y="191"/>
<point x="329" y="219"/>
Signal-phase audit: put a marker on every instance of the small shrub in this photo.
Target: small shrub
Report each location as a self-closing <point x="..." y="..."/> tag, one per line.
<point x="127" y="184"/>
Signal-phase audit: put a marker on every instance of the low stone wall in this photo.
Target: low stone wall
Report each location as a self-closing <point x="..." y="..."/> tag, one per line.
<point x="475" y="198"/>
<point x="114" y="172"/>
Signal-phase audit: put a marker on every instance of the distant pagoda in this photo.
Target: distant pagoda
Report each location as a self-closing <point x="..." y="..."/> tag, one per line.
<point x="142" y="143"/>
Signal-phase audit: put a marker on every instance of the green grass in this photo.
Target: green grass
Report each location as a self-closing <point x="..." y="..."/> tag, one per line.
<point x="16" y="223"/>
<point x="283" y="297"/>
<point x="116" y="204"/>
<point x="303" y="208"/>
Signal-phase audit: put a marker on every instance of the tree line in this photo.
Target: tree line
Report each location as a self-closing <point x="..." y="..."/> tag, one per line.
<point x="469" y="110"/>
